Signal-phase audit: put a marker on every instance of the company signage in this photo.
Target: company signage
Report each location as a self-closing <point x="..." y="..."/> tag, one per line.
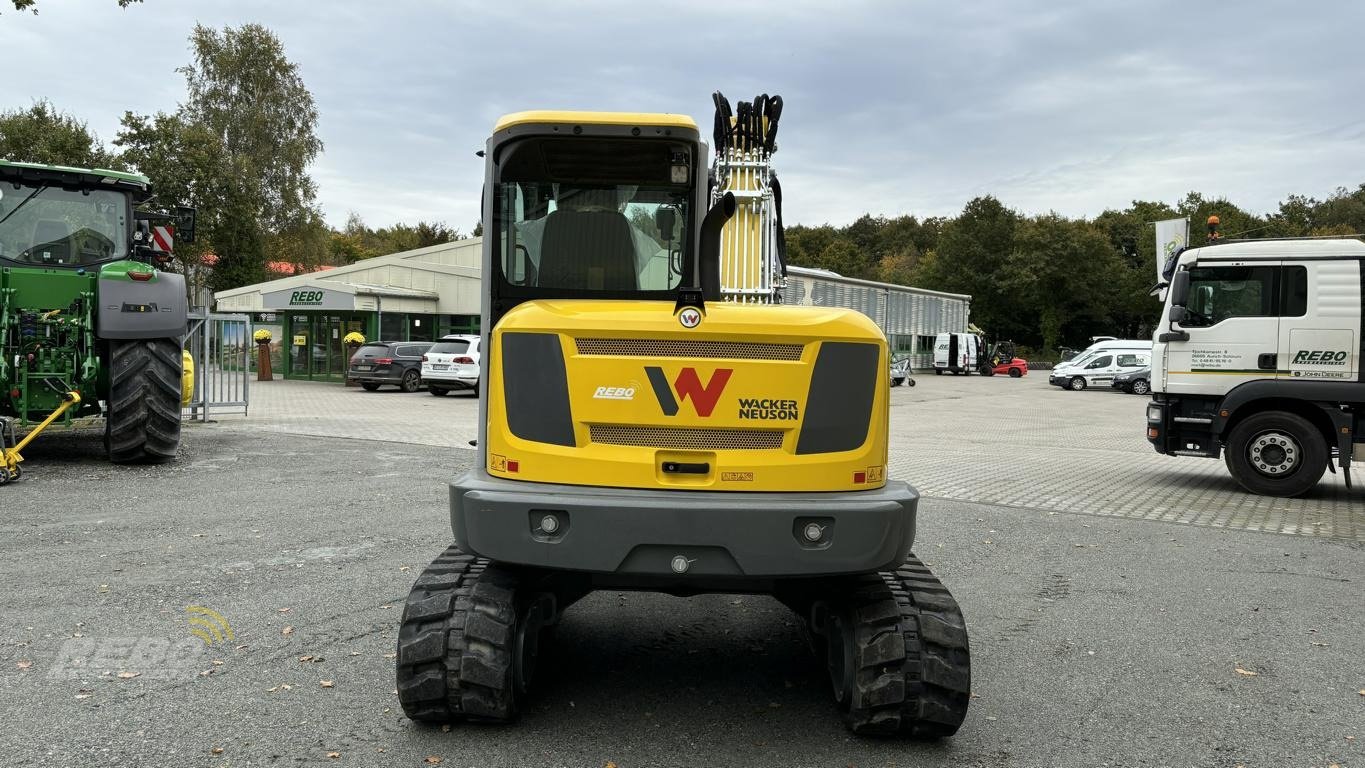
<point x="308" y="297"/>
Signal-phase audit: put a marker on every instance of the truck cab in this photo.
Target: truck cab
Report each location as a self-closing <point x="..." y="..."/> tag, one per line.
<point x="1257" y="358"/>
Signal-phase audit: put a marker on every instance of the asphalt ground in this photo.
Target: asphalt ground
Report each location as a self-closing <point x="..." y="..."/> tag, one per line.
<point x="1098" y="639"/>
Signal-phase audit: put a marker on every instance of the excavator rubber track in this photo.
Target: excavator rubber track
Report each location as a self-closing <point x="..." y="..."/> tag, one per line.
<point x="897" y="652"/>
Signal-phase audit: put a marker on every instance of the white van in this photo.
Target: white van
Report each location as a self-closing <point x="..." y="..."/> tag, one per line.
<point x="959" y="353"/>
<point x="1101" y="362"/>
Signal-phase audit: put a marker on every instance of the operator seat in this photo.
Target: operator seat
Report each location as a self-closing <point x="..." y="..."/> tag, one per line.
<point x="54" y="237"/>
<point x="588" y="247"/>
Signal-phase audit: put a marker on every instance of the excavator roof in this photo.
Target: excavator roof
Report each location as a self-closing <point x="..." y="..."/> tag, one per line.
<point x="647" y="119"/>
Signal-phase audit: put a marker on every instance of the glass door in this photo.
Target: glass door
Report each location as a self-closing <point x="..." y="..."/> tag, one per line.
<point x="332" y="357"/>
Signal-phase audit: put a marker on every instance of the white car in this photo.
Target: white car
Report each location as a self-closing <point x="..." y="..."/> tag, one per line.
<point x="451" y="363"/>
<point x="1099" y="368"/>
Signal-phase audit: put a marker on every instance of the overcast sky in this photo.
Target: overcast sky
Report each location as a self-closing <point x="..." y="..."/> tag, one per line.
<point x="891" y="107"/>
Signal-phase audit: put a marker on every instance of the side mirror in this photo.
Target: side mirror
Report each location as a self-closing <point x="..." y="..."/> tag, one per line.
<point x="1180" y="288"/>
<point x="665" y="219"/>
<point x="1178" y="314"/>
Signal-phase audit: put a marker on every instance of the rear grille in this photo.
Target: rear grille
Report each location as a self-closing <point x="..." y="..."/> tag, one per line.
<point x="696" y="438"/>
<point x="737" y="350"/>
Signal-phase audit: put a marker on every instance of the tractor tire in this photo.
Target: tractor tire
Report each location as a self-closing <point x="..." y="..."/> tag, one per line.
<point x="1276" y="453"/>
<point x="142" y="423"/>
<point x="1015" y="373"/>
<point x="437" y="391"/>
<point x="369" y="386"/>
<point x="458" y="643"/>
<point x="897" y="654"/>
<point x="412" y="381"/>
<point x="1077" y="384"/>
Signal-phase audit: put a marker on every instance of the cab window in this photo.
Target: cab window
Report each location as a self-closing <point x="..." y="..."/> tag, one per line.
<point x="1221" y="293"/>
<point x="606" y="217"/>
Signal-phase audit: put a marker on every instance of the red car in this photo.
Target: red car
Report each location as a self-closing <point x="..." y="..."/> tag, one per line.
<point x="1014" y="368"/>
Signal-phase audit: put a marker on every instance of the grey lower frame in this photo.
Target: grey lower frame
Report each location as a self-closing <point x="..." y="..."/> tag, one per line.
<point x="721" y="534"/>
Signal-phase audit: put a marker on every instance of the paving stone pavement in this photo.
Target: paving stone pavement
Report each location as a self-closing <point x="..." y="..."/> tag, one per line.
<point x="1008" y="442"/>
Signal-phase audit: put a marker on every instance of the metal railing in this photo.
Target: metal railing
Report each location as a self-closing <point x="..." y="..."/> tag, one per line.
<point x="222" y="346"/>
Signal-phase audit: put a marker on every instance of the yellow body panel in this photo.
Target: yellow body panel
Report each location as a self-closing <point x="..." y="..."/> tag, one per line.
<point x="783" y="384"/>
<point x="544" y="116"/>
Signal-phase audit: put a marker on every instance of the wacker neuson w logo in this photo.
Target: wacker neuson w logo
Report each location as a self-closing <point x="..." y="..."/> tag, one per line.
<point x="688" y="386"/>
<point x="1320" y="357"/>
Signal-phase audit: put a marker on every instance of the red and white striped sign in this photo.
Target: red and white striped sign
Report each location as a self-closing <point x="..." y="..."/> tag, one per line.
<point x="163" y="237"/>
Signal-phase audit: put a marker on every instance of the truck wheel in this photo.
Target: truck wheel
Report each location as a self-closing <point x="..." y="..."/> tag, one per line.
<point x="467" y="647"/>
<point x="897" y="654"/>
<point x="1276" y="454"/>
<point x="1076" y="384"/>
<point x="143" y="419"/>
<point x="1015" y="373"/>
<point x="1140" y="387"/>
<point x="437" y="391"/>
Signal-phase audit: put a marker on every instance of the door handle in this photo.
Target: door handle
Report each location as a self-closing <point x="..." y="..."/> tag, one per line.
<point x="1267" y="361"/>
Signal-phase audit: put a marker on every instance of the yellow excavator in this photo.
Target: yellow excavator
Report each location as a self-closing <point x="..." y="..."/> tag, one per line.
<point x="654" y="418"/>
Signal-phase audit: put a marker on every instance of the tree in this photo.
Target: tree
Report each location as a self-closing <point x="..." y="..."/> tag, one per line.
<point x="243" y="89"/>
<point x="43" y="134"/>
<point x="970" y="254"/>
<point x="348" y="245"/>
<point x="238" y="149"/>
<point x="1064" y="273"/>
<point x="29" y="5"/>
<point x="899" y="267"/>
<point x="1233" y="221"/>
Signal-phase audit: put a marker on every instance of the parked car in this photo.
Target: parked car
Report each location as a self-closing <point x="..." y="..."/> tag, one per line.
<point x="1013" y="367"/>
<point x="1137" y="382"/>
<point x="396" y="363"/>
<point x="1098" y="368"/>
<point x="1099" y="363"/>
<point x="452" y="363"/>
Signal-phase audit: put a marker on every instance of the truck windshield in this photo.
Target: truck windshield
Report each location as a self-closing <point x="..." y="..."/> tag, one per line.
<point x="593" y="216"/>
<point x="52" y="226"/>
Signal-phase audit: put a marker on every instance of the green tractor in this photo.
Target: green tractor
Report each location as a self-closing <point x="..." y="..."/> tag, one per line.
<point x="86" y="308"/>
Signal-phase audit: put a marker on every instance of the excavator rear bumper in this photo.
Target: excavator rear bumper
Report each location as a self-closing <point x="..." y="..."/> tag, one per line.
<point x="683" y="534"/>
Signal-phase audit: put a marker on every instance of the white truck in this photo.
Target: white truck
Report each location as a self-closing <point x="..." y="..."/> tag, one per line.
<point x="1258" y="357"/>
